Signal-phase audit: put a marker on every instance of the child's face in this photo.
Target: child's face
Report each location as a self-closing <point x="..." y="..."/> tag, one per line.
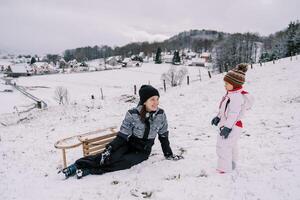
<point x="228" y="86"/>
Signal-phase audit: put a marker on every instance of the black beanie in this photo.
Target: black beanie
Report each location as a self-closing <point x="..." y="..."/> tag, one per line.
<point x="145" y="92"/>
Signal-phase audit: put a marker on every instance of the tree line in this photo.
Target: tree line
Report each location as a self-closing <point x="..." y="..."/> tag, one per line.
<point x="227" y="49"/>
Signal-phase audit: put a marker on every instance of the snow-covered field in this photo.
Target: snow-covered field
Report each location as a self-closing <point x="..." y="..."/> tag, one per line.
<point x="12" y="101"/>
<point x="82" y="85"/>
<point x="269" y="164"/>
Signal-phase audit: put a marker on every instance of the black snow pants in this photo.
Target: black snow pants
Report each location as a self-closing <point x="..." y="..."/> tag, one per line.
<point x="123" y="158"/>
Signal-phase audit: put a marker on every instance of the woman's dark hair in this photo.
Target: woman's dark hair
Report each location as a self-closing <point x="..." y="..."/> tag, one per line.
<point x="143" y="113"/>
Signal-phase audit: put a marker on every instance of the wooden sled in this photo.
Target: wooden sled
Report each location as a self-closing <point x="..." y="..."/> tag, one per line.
<point x="92" y="142"/>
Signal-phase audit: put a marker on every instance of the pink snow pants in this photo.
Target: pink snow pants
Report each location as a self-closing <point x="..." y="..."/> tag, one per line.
<point x="227" y="150"/>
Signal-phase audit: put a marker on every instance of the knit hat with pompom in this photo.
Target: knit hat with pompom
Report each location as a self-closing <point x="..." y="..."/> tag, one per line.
<point x="236" y="76"/>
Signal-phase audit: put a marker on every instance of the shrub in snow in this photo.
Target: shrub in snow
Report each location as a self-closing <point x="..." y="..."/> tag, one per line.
<point x="174" y="77"/>
<point x="61" y="95"/>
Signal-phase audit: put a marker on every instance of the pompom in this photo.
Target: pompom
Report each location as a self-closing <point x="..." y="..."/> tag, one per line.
<point x="242" y="67"/>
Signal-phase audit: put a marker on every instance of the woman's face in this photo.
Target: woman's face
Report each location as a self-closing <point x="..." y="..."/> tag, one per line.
<point x="152" y="103"/>
<point x="228" y="86"/>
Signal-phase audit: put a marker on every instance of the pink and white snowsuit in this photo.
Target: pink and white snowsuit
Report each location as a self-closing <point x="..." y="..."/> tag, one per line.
<point x="231" y="110"/>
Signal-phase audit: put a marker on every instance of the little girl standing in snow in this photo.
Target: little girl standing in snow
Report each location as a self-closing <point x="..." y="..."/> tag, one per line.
<point x="231" y="110"/>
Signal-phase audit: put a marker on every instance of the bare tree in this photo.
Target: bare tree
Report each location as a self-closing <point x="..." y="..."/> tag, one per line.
<point x="61" y="95"/>
<point x="174" y="77"/>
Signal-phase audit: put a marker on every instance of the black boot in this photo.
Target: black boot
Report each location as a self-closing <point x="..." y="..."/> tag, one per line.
<point x="69" y="171"/>
<point x="82" y="172"/>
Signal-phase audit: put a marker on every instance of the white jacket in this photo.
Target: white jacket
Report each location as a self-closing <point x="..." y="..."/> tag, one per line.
<point x="233" y="106"/>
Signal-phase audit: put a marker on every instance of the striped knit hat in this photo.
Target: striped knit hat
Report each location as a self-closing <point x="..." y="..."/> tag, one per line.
<point x="236" y="76"/>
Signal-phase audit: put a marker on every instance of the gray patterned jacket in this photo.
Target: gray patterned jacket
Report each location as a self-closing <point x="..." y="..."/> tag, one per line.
<point x="133" y="127"/>
<point x="132" y="124"/>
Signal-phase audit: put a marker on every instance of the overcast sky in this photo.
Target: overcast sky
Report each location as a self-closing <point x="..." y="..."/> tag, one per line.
<point x="51" y="26"/>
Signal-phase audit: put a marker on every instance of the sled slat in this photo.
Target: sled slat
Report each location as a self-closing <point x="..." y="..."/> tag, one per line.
<point x="99" y="138"/>
<point x="97" y="143"/>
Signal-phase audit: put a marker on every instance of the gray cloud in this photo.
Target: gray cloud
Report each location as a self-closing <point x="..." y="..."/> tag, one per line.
<point x="51" y="26"/>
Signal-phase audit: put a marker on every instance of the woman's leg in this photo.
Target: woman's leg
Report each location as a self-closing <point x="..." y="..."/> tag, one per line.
<point x="88" y="162"/>
<point x="126" y="161"/>
<point x="93" y="161"/>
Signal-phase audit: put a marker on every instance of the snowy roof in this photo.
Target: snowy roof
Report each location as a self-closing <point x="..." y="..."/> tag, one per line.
<point x="198" y="60"/>
<point x="40" y="64"/>
<point x="127" y="60"/>
<point x="169" y="56"/>
<point x="19" y="68"/>
<point x="5" y="62"/>
<point x="205" y="54"/>
<point x="95" y="62"/>
<point x="191" y="54"/>
<point x="74" y="61"/>
<point x="111" y="59"/>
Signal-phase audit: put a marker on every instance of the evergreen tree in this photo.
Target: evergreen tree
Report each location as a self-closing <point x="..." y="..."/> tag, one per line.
<point x="158" y="56"/>
<point x="176" y="57"/>
<point x="297" y="41"/>
<point x="291" y="33"/>
<point x="33" y="60"/>
<point x="52" y="58"/>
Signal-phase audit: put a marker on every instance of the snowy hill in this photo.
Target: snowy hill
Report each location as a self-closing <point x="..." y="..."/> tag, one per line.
<point x="269" y="162"/>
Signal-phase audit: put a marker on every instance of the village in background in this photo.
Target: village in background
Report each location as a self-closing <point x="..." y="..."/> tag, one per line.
<point x="213" y="50"/>
<point x="15" y="66"/>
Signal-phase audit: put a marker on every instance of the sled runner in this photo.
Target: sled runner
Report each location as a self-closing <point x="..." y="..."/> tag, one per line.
<point x="92" y="142"/>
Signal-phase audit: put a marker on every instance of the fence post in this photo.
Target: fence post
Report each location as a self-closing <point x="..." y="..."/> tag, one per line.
<point x="134" y="88"/>
<point x="209" y="74"/>
<point x="102" y="97"/>
<point x="188" y="80"/>
<point x="260" y="64"/>
<point x="251" y="66"/>
<point x="200" y="74"/>
<point x="165" y="88"/>
<point x="39" y="104"/>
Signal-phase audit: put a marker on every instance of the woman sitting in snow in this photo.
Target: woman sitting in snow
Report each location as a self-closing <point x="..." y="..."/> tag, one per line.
<point x="231" y="110"/>
<point x="134" y="140"/>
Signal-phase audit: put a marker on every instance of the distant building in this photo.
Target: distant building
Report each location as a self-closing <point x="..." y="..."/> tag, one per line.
<point x="190" y="55"/>
<point x="4" y="63"/>
<point x="168" y="58"/>
<point x="128" y="62"/>
<point x="113" y="61"/>
<point x="206" y="56"/>
<point x="196" y="62"/>
<point x="96" y="65"/>
<point x="17" y="70"/>
<point x="42" y="68"/>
